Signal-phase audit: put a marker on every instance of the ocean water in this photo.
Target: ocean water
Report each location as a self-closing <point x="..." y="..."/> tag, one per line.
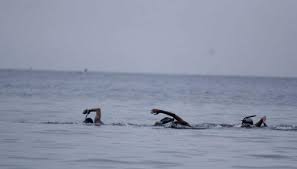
<point x="41" y="121"/>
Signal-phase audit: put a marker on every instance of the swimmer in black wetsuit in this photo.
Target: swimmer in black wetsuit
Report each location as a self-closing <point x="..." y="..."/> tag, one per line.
<point x="178" y="120"/>
<point x="97" y="118"/>
<point x="247" y="122"/>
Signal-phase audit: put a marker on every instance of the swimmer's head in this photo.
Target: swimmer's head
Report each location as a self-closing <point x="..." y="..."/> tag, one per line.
<point x="88" y="120"/>
<point x="164" y="121"/>
<point x="247" y="122"/>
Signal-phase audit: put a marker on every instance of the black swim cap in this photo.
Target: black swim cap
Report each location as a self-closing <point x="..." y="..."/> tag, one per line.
<point x="88" y="120"/>
<point x="247" y="121"/>
<point x="166" y="120"/>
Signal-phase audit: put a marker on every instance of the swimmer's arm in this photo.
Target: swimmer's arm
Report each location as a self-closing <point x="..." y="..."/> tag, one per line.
<point x="261" y="121"/>
<point x="176" y="117"/>
<point x="94" y="110"/>
<point x="87" y="111"/>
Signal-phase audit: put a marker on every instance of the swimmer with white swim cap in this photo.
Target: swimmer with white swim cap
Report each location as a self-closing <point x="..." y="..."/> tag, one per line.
<point x="97" y="118"/>
<point x="247" y="122"/>
<point x="176" y="120"/>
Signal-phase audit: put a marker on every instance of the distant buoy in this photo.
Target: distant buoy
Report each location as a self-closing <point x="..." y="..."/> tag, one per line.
<point x="85" y="70"/>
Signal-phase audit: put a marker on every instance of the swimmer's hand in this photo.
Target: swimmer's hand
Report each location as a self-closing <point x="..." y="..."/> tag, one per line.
<point x="155" y="111"/>
<point x="86" y="111"/>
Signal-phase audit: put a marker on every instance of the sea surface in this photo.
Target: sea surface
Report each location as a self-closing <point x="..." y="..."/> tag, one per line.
<point x="41" y="121"/>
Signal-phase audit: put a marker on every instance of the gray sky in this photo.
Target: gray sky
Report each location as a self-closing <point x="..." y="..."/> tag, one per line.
<point x="233" y="37"/>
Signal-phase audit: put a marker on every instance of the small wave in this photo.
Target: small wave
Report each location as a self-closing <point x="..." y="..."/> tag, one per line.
<point x="270" y="156"/>
<point x="56" y="122"/>
<point x="119" y="124"/>
<point x="47" y="122"/>
<point x="140" y="125"/>
<point x="285" y="127"/>
<point x="212" y="125"/>
<point x="128" y="124"/>
<point x="282" y="127"/>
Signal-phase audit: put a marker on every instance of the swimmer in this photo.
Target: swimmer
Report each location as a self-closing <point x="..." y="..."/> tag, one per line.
<point x="97" y="118"/>
<point x="178" y="120"/>
<point x="247" y="122"/>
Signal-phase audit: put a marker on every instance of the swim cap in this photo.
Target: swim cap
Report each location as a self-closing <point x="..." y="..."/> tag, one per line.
<point x="247" y="121"/>
<point x="166" y="120"/>
<point x="88" y="120"/>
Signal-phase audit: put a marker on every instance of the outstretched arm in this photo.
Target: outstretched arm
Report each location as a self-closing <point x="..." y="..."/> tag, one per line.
<point x="87" y="111"/>
<point x="176" y="117"/>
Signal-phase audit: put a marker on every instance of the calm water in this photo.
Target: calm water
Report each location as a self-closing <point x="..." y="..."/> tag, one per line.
<point x="41" y="121"/>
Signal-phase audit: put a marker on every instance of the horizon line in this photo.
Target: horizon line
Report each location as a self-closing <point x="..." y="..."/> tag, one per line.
<point x="145" y="73"/>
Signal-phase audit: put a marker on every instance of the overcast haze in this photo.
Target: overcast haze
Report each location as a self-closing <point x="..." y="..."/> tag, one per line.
<point x="230" y="37"/>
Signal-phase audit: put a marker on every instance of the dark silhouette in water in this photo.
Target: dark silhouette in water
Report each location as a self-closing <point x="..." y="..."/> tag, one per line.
<point x="178" y="120"/>
<point x="248" y="122"/>
<point x="88" y="120"/>
<point x="97" y="118"/>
